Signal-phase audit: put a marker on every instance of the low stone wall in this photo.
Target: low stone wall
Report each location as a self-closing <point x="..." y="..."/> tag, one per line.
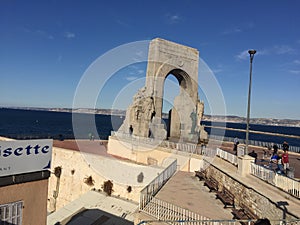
<point x="258" y="203"/>
<point x="153" y="155"/>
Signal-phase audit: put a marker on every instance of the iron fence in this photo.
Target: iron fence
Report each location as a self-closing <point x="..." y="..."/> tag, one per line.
<point x="148" y="192"/>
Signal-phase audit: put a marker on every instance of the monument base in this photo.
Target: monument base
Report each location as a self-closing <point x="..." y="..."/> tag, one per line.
<point x="244" y="164"/>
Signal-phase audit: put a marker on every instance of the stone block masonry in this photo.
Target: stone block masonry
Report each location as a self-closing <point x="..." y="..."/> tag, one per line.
<point x="257" y="202"/>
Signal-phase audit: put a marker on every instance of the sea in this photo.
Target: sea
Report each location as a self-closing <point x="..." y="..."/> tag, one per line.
<point x="33" y="124"/>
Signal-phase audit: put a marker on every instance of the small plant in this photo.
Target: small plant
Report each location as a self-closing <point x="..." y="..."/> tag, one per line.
<point x="57" y="171"/>
<point x="108" y="187"/>
<point x="72" y="171"/>
<point x="89" y="181"/>
<point x="129" y="189"/>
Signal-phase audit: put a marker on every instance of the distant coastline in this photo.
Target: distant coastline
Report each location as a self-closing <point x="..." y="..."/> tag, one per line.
<point x="215" y="118"/>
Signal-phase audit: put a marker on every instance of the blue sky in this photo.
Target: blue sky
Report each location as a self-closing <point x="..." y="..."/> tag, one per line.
<point x="46" y="46"/>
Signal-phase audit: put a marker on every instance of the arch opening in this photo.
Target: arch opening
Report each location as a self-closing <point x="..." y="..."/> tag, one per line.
<point x="173" y="95"/>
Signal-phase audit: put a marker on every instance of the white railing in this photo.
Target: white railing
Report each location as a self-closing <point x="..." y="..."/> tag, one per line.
<point x="288" y="184"/>
<point x="209" y="152"/>
<point x="166" y="211"/>
<point x="135" y="139"/>
<point x="227" y="156"/>
<point x="217" y="222"/>
<point x="180" y="146"/>
<point x="148" y="192"/>
<point x="285" y="183"/>
<point x="263" y="173"/>
<point x="184" y="147"/>
<point x="253" y="142"/>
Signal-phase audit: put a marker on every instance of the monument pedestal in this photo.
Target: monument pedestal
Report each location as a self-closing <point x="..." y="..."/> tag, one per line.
<point x="244" y="164"/>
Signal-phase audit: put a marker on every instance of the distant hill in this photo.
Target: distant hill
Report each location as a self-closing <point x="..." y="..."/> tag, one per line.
<point x="215" y="118"/>
<point x="263" y="121"/>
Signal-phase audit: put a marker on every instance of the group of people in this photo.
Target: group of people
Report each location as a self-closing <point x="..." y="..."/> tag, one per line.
<point x="280" y="158"/>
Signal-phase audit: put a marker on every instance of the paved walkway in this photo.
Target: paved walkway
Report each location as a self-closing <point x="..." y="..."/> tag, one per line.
<point x="185" y="190"/>
<point x="271" y="192"/>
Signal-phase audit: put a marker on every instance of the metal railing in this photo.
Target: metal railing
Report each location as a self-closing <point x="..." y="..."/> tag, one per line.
<point x="227" y="156"/>
<point x="180" y="146"/>
<point x="148" y="192"/>
<point x="135" y="139"/>
<point x="216" y="222"/>
<point x="166" y="211"/>
<point x="263" y="173"/>
<point x="253" y="142"/>
<point x="286" y="184"/>
<point x="209" y="152"/>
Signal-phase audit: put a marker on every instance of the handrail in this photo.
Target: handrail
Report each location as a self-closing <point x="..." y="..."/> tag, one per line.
<point x="180" y="146"/>
<point x="227" y="156"/>
<point x="166" y="211"/>
<point x="148" y="192"/>
<point x="216" y="222"/>
<point x="254" y="142"/>
<point x="286" y="184"/>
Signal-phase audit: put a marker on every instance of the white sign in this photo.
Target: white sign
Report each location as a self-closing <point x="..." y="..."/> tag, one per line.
<point x="25" y="156"/>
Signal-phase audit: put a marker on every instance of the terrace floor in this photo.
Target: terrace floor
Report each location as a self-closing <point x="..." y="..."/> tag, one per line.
<point x="186" y="191"/>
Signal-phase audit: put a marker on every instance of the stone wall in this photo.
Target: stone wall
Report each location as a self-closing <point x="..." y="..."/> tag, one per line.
<point x="154" y="155"/>
<point x="258" y="203"/>
<point x="75" y="170"/>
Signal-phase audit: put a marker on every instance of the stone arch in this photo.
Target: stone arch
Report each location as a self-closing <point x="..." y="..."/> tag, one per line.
<point x="145" y="114"/>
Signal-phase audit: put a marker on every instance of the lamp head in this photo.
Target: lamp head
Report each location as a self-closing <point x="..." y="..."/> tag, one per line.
<point x="252" y="52"/>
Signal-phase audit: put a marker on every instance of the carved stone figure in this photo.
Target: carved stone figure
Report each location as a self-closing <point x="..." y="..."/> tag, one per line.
<point x="194" y="119"/>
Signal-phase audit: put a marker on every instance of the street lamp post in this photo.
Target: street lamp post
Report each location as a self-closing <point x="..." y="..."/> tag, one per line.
<point x="251" y="53"/>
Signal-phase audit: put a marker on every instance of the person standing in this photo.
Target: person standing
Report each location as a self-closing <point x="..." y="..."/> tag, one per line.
<point x="285" y="146"/>
<point x="285" y="161"/>
<point x="273" y="162"/>
<point x="235" y="144"/>
<point x="280" y="169"/>
<point x="275" y="149"/>
<point x="130" y="130"/>
<point x="254" y="155"/>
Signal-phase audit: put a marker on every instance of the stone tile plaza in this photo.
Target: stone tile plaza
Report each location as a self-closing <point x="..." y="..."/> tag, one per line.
<point x="149" y="173"/>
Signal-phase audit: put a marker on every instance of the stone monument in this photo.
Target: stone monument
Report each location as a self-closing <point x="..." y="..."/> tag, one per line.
<point x="144" y="115"/>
